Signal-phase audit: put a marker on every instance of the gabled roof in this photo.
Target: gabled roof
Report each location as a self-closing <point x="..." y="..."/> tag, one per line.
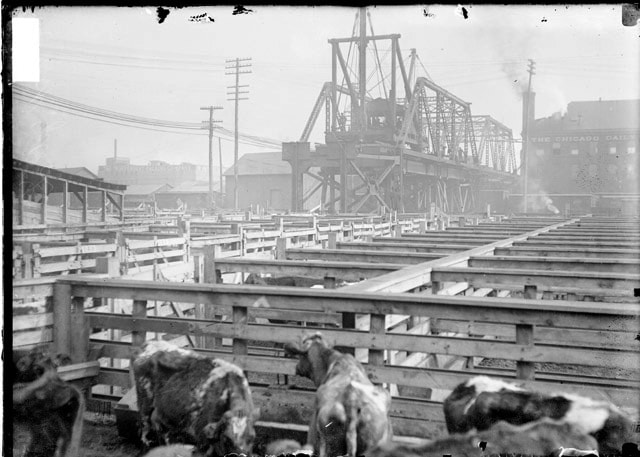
<point x="192" y="187"/>
<point x="80" y="171"/>
<point x="146" y="189"/>
<point x="594" y="115"/>
<point x="261" y="163"/>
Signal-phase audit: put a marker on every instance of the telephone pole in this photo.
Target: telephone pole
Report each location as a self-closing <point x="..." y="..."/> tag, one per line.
<point x="525" y="142"/>
<point x="209" y="125"/>
<point x="234" y="66"/>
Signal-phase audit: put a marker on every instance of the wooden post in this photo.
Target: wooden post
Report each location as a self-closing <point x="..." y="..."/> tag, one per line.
<point x="43" y="209"/>
<point x="329" y="282"/>
<point x="376" y="356"/>
<point x="435" y="287"/>
<point x="240" y="320"/>
<point x="21" y="198"/>
<point x="138" y="337"/>
<point x="27" y="260"/>
<point x="422" y="226"/>
<point x="281" y="248"/>
<point x="524" y="336"/>
<point x="62" y="317"/>
<point x="85" y="204"/>
<point x="332" y="240"/>
<point x="440" y="224"/>
<point x="432" y="211"/>
<point x="121" y="252"/>
<point x="65" y="202"/>
<point x="397" y="229"/>
<point x="211" y="277"/>
<point x="103" y="205"/>
<point x="80" y="329"/>
<point x="155" y="258"/>
<point x="462" y="221"/>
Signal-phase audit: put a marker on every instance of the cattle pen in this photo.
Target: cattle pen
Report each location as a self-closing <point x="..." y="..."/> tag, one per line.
<point x="423" y="302"/>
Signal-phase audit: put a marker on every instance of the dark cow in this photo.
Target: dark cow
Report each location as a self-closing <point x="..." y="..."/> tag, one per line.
<point x="291" y="281"/>
<point x="482" y="401"/>
<point x="538" y="438"/>
<point x="30" y="365"/>
<point x="184" y="397"/>
<point x="51" y="410"/>
<point x="351" y="414"/>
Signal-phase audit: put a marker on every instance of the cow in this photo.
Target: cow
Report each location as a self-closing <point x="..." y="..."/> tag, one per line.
<point x="480" y="402"/>
<point x="290" y="281"/>
<point x="30" y="365"/>
<point x="173" y="450"/>
<point x="185" y="397"/>
<point x="50" y="409"/>
<point x="538" y="438"/>
<point x="351" y="415"/>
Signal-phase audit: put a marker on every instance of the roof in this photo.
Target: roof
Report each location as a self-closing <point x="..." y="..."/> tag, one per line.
<point x="146" y="189"/>
<point x="594" y="115"/>
<point x="75" y="179"/>
<point x="80" y="171"/>
<point x="191" y="187"/>
<point x="261" y="163"/>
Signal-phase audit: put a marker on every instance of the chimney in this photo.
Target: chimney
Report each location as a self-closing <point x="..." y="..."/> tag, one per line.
<point x="115" y="148"/>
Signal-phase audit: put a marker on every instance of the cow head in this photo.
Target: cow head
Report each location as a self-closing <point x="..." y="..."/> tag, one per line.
<point x="232" y="433"/>
<point x="255" y="279"/>
<point x="29" y="366"/>
<point x="314" y="356"/>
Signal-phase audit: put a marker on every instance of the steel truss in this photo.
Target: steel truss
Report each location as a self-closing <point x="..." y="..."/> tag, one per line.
<point x="390" y="152"/>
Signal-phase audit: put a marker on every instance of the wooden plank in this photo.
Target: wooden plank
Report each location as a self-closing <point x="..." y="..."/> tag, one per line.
<point x="611" y="265"/>
<point x="400" y="246"/>
<point x="62" y="334"/>
<point x="33" y="337"/>
<point x="31" y="321"/>
<point x="623" y="283"/>
<point x="534" y="242"/>
<point x="556" y="336"/>
<point x="586" y="253"/>
<point x="82" y="249"/>
<point x="70" y="265"/>
<point x="536" y="312"/>
<point x="466" y="347"/>
<point x="155" y="255"/>
<point x="415" y="276"/>
<point x="351" y="271"/>
<point x="370" y="256"/>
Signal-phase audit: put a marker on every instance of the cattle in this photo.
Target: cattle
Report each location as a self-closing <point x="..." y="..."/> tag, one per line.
<point x="185" y="397"/>
<point x="351" y="414"/>
<point x="174" y="450"/>
<point x="481" y="402"/>
<point x="290" y="281"/>
<point x="538" y="438"/>
<point x="50" y="409"/>
<point x="30" y="365"/>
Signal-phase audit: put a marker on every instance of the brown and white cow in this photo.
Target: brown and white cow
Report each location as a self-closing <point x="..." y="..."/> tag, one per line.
<point x="351" y="414"/>
<point x="538" y="438"/>
<point x="481" y="402"/>
<point x="185" y="397"/>
<point x="49" y="408"/>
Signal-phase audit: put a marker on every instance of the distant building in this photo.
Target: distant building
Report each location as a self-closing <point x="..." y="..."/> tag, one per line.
<point x="138" y="195"/>
<point x="80" y="171"/>
<point x="195" y="194"/>
<point x="586" y="158"/>
<point x="121" y="171"/>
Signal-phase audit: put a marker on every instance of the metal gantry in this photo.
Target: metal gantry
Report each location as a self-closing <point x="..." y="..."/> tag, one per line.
<point x="395" y="140"/>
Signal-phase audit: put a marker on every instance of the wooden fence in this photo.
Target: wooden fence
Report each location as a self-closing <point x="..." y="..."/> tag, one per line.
<point x="513" y="325"/>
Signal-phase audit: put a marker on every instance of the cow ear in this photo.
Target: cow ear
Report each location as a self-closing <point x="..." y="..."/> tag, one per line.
<point x="293" y="350"/>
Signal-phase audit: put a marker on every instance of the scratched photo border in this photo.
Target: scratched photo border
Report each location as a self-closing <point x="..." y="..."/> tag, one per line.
<point x="630" y="15"/>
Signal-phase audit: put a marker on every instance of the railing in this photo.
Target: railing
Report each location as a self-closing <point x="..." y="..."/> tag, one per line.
<point x="522" y="331"/>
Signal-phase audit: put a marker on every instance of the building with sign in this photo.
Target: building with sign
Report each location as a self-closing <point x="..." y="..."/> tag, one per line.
<point x="586" y="160"/>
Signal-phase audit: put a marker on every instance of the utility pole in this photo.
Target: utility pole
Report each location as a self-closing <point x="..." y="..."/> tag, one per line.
<point x="234" y="67"/>
<point x="220" y="157"/>
<point x="525" y="142"/>
<point x="209" y="125"/>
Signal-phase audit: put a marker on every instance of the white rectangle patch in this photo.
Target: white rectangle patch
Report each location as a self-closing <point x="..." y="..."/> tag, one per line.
<point x="26" y="49"/>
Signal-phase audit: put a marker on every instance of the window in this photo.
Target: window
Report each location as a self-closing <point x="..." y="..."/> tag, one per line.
<point x="539" y="152"/>
<point x="575" y="152"/>
<point x="612" y="149"/>
<point x="631" y="150"/>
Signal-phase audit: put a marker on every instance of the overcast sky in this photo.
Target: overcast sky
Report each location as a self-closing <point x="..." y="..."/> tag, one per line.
<point x="123" y="60"/>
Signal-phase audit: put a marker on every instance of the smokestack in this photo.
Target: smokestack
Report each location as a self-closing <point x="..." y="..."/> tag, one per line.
<point x="115" y="148"/>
